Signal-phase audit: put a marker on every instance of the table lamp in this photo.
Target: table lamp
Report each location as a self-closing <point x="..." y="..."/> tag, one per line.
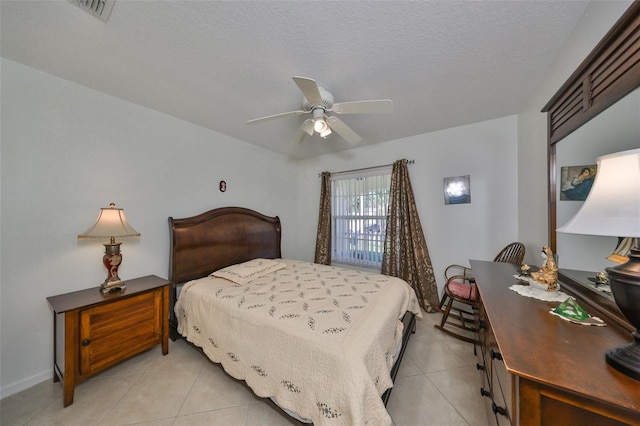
<point x="111" y="223"/>
<point x="612" y="208"/>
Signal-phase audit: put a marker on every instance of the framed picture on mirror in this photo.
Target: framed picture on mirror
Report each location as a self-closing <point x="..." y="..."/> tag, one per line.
<point x="576" y="182"/>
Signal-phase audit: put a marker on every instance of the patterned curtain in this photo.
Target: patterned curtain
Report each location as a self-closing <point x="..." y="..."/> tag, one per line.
<point x="323" y="240"/>
<point x="405" y="249"/>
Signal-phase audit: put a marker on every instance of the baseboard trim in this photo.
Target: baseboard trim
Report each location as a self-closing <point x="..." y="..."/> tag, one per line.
<point x="21" y="385"/>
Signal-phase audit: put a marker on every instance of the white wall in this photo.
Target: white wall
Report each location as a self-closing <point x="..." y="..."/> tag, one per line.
<point x="486" y="151"/>
<point x="533" y="221"/>
<point x="66" y="152"/>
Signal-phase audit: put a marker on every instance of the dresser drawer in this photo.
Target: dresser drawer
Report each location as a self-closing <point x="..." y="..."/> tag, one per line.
<point x="501" y="390"/>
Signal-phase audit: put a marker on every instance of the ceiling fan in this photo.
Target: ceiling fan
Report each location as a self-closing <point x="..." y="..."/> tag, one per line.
<point x="318" y="102"/>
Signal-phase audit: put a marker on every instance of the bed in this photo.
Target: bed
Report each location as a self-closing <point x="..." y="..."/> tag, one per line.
<point x="324" y="343"/>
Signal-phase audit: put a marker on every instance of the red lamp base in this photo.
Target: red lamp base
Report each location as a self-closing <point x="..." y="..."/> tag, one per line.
<point x="112" y="260"/>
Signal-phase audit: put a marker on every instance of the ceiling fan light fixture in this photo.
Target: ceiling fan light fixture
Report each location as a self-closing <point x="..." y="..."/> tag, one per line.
<point x="319" y="125"/>
<point x="307" y="127"/>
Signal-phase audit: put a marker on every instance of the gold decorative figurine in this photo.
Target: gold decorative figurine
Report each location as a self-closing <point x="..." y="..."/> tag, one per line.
<point x="547" y="275"/>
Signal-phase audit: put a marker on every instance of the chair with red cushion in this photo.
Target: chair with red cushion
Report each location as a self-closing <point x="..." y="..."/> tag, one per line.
<point x="460" y="289"/>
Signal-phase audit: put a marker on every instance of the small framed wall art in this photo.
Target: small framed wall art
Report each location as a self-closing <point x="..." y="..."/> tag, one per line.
<point x="576" y="182"/>
<point x="457" y="190"/>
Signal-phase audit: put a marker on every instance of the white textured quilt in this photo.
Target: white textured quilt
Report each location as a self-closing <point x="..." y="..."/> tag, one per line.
<point x="318" y="339"/>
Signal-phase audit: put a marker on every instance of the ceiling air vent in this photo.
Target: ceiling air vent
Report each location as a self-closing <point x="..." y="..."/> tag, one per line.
<point x="99" y="8"/>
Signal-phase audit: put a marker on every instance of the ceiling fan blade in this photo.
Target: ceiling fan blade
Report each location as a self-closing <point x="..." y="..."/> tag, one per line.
<point x="305" y="128"/>
<point x="281" y="115"/>
<point x="343" y="130"/>
<point x="309" y="89"/>
<point x="378" y="106"/>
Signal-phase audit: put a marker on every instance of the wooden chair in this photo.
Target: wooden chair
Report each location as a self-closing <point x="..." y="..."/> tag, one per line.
<point x="460" y="288"/>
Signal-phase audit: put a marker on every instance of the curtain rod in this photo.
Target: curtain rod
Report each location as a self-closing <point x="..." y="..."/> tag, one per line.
<point x="364" y="169"/>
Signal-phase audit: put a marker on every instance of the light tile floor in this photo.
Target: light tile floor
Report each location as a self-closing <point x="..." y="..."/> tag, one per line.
<point x="437" y="384"/>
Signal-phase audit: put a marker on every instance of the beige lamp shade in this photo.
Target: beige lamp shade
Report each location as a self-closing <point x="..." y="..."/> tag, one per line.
<point x="111" y="222"/>
<point x="612" y="207"/>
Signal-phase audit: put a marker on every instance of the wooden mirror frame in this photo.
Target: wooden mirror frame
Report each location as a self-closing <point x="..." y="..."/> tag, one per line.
<point x="610" y="72"/>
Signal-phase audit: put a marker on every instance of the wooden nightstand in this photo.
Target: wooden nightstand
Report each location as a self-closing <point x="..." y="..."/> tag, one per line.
<point x="93" y="331"/>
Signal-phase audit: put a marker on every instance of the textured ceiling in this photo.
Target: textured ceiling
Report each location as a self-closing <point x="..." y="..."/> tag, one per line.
<point x="221" y="63"/>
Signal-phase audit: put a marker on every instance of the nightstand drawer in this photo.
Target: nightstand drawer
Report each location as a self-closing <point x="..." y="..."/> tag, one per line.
<point x="109" y="333"/>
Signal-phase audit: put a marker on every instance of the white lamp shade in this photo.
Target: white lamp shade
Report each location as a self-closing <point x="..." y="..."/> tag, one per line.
<point x="612" y="207"/>
<point x="111" y="222"/>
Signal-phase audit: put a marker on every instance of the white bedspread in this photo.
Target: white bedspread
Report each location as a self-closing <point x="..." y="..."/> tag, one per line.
<point x="318" y="339"/>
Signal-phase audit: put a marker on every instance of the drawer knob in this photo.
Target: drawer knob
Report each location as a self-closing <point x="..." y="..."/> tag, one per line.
<point x="480" y="367"/>
<point x="498" y="410"/>
<point x="496" y="355"/>
<point x="482" y="324"/>
<point x="484" y="392"/>
<point x="86" y="342"/>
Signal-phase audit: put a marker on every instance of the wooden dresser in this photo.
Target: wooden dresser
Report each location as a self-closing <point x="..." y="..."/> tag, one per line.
<point x="541" y="370"/>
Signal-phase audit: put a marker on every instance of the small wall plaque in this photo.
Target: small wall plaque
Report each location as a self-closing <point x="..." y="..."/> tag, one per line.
<point x="457" y="190"/>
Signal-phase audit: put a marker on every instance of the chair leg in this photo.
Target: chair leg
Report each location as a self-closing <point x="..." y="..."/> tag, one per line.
<point x="446" y="315"/>
<point x="447" y="311"/>
<point x="465" y="317"/>
<point x="442" y="301"/>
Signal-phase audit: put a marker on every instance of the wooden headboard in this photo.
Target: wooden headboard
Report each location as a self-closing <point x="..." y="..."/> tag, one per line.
<point x="221" y="237"/>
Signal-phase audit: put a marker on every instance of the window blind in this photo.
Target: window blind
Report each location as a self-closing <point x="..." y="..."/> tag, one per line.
<point x="360" y="203"/>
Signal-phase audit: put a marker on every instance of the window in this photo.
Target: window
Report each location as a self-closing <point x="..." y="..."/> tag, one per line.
<point x="359" y="216"/>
